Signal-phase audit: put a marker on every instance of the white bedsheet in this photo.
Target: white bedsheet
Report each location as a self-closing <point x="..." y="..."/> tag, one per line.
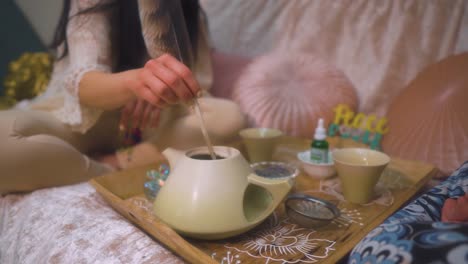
<point x="71" y="224"/>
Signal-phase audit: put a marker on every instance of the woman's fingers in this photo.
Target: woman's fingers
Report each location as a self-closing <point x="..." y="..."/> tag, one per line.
<point x="182" y="71"/>
<point x="156" y="85"/>
<point x="155" y="115"/>
<point x="164" y="81"/>
<point x="137" y="115"/>
<point x="143" y="92"/>
<point x="173" y="82"/>
<point x="125" y="116"/>
<point x="146" y="116"/>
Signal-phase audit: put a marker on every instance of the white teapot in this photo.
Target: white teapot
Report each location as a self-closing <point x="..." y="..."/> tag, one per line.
<point x="215" y="199"/>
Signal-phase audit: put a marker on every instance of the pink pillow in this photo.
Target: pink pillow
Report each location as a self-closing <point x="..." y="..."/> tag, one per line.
<point x="291" y="91"/>
<point x="226" y="70"/>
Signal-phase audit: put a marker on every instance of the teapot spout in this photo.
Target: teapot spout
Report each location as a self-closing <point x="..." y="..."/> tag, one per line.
<point x="172" y="155"/>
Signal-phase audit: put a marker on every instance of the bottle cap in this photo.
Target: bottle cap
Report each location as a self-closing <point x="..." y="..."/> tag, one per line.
<point x="320" y="131"/>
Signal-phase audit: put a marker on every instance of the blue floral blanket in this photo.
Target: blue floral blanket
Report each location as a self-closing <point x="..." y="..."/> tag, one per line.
<point x="415" y="234"/>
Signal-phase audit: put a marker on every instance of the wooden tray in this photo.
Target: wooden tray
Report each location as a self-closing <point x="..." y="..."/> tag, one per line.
<point x="278" y="239"/>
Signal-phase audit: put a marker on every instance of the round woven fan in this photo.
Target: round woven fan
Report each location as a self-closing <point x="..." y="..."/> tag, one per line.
<point x="428" y="120"/>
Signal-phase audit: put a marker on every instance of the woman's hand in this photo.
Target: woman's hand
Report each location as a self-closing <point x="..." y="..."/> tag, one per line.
<point x="139" y="114"/>
<point x="164" y="81"/>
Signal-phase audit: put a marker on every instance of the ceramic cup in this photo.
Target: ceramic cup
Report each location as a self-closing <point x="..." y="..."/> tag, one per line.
<point x="260" y="143"/>
<point x="359" y="171"/>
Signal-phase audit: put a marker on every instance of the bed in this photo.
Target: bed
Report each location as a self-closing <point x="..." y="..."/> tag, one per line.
<point x="379" y="45"/>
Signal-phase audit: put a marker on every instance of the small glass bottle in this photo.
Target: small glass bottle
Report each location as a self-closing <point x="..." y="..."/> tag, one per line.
<point x="319" y="146"/>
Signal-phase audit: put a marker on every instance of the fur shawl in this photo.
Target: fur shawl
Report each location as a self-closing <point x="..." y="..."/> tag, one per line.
<point x="164" y="31"/>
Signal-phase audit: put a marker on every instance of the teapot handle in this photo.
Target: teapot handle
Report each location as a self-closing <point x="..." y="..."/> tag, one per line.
<point x="277" y="188"/>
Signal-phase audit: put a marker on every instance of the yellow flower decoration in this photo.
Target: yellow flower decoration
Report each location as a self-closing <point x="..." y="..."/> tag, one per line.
<point x="27" y="76"/>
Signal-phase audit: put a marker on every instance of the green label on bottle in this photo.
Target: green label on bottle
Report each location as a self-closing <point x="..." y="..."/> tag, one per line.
<point x="319" y="155"/>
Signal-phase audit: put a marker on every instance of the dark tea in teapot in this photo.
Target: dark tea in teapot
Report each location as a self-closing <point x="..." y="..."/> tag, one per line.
<point x="205" y="157"/>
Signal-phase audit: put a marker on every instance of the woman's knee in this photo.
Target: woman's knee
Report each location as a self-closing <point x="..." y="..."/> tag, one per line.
<point x="32" y="158"/>
<point x="224" y="118"/>
<point x="38" y="161"/>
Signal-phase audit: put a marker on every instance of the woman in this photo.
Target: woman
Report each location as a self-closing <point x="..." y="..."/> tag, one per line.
<point x="114" y="63"/>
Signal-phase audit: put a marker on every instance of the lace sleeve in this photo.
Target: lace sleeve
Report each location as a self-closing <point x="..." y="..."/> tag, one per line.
<point x="89" y="49"/>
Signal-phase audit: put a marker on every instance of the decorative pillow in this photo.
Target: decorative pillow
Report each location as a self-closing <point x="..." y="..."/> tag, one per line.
<point x="291" y="91"/>
<point x="428" y="120"/>
<point x="226" y="70"/>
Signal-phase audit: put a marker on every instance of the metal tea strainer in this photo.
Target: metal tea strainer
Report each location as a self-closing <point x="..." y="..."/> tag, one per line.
<point x="309" y="211"/>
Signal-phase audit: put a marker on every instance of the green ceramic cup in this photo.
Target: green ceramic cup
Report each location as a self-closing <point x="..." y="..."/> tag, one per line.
<point x="260" y="143"/>
<point x="359" y="170"/>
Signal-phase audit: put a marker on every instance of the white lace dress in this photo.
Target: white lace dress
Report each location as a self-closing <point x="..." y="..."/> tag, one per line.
<point x="89" y="43"/>
<point x="89" y="49"/>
